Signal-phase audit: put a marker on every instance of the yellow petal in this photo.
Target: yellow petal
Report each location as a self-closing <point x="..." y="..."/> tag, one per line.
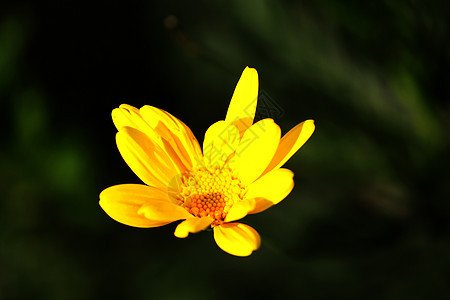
<point x="164" y="211"/>
<point x="124" y="116"/>
<point x="122" y="203"/>
<point x="192" y="225"/>
<point x="175" y="133"/>
<point x="269" y="190"/>
<point x="221" y="140"/>
<point x="237" y="239"/>
<point x="147" y="160"/>
<point x="129" y="116"/>
<point x="162" y="129"/>
<point x="241" y="110"/>
<point x="265" y="192"/>
<point x="256" y="150"/>
<point x="290" y="143"/>
<point x="240" y="210"/>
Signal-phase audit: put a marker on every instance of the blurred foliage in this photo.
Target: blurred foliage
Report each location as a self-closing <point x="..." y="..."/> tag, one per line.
<point x="368" y="218"/>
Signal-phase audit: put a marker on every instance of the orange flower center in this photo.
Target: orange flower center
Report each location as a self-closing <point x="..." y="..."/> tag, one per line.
<point x="210" y="192"/>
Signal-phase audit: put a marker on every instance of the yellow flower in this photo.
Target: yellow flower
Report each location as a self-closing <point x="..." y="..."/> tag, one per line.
<point x="238" y="172"/>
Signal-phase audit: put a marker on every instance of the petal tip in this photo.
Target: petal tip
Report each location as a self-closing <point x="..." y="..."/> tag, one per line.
<point x="250" y="69"/>
<point x="127" y="107"/>
<point x="192" y="225"/>
<point x="310" y="123"/>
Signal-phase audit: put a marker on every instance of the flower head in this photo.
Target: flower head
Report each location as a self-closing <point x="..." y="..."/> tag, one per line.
<point x="237" y="173"/>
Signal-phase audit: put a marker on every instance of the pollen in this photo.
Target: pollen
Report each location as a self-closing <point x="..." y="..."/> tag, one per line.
<point x="210" y="192"/>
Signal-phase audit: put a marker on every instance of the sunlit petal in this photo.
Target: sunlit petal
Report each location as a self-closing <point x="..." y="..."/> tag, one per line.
<point x="221" y="140"/>
<point x="242" y="108"/>
<point x="256" y="150"/>
<point x="175" y="133"/>
<point x="122" y="203"/>
<point x="237" y="239"/>
<point x="147" y="160"/>
<point x="270" y="189"/>
<point x="129" y="116"/>
<point x="265" y="192"/>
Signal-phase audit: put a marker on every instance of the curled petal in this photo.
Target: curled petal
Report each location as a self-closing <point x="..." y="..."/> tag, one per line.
<point x="125" y="115"/>
<point x="163" y="130"/>
<point x="129" y="116"/>
<point x="192" y="225"/>
<point x="122" y="203"/>
<point x="237" y="239"/>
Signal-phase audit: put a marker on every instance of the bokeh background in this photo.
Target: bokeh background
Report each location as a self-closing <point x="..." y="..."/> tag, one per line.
<point x="369" y="216"/>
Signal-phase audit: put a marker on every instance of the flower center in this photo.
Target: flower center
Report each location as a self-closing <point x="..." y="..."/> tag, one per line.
<point x="210" y="192"/>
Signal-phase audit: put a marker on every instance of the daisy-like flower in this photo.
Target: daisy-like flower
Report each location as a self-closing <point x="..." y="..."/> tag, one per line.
<point x="237" y="173"/>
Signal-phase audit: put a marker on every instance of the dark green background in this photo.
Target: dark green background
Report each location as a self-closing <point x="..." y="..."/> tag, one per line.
<point x="369" y="216"/>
